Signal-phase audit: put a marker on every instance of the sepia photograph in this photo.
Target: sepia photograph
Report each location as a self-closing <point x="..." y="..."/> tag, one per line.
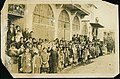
<point x="60" y="39"/>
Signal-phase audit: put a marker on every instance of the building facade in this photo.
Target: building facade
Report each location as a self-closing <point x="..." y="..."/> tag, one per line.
<point x="48" y="21"/>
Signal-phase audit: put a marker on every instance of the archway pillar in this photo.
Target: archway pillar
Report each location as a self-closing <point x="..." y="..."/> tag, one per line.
<point x="56" y="22"/>
<point x="29" y="15"/>
<point x="56" y="18"/>
<point x="71" y="22"/>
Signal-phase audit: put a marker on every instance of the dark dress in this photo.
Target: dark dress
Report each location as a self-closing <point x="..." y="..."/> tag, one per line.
<point x="66" y="58"/>
<point x="71" y="52"/>
<point x="53" y="61"/>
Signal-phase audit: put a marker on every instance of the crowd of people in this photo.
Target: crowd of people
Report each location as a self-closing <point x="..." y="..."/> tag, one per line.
<point x="28" y="55"/>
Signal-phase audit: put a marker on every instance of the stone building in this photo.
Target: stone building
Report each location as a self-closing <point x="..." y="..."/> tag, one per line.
<point x="50" y="21"/>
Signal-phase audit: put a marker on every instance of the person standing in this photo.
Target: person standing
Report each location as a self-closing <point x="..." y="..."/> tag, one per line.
<point x="70" y="55"/>
<point x="26" y="34"/>
<point x="26" y="62"/>
<point x="18" y="36"/>
<point x="13" y="54"/>
<point x="18" y="44"/>
<point x="36" y="63"/>
<point x="60" y="60"/>
<point x="66" y="57"/>
<point x="10" y="35"/>
<point x="53" y="60"/>
<point x="45" y="59"/>
<point x="73" y="38"/>
<point x="75" y="58"/>
<point x="39" y="47"/>
<point x="20" y="51"/>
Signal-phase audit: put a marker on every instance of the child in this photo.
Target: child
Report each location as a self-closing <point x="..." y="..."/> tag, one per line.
<point x="34" y="49"/>
<point x="104" y="49"/>
<point x="21" y="51"/>
<point x="39" y="47"/>
<point x="18" y="36"/>
<point x="45" y="59"/>
<point x="36" y="63"/>
<point x="85" y="56"/>
<point x="70" y="55"/>
<point x="92" y="51"/>
<point x="60" y="60"/>
<point x="75" y="58"/>
<point x="66" y="59"/>
<point x="26" y="62"/>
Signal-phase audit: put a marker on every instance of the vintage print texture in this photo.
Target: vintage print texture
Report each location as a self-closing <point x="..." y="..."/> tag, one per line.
<point x="60" y="38"/>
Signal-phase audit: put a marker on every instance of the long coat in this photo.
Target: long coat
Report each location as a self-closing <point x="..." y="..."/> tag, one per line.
<point x="36" y="63"/>
<point x="53" y="61"/>
<point x="110" y="45"/>
<point x="92" y="51"/>
<point x="70" y="55"/>
<point x="60" y="60"/>
<point x="75" y="58"/>
<point x="45" y="59"/>
<point x="66" y="57"/>
<point x="26" y="62"/>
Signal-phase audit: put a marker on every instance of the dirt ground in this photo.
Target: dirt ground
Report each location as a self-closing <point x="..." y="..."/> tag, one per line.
<point x="103" y="65"/>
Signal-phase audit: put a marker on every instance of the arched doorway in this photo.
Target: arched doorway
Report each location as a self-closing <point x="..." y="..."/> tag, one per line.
<point x="42" y="22"/>
<point x="64" y="25"/>
<point x="76" y="25"/>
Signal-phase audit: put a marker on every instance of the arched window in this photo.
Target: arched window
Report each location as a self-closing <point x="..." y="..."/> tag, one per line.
<point x="64" y="25"/>
<point x="43" y="14"/>
<point x="85" y="28"/>
<point x="76" y="25"/>
<point x="43" y="21"/>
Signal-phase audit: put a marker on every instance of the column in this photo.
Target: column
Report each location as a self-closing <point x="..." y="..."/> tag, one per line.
<point x="56" y="16"/>
<point x="71" y="21"/>
<point x="29" y="15"/>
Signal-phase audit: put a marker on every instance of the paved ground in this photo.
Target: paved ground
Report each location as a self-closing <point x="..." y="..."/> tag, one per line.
<point x="102" y="65"/>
